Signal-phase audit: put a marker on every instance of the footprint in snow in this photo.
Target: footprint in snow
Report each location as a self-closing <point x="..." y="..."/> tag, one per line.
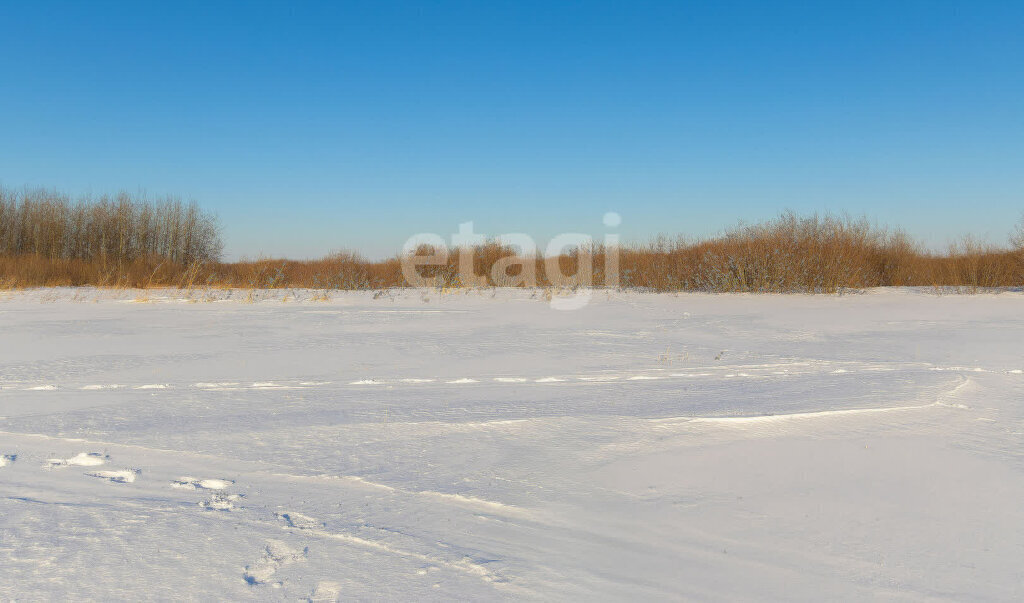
<point x="82" y="459"/>
<point x="220" y="502"/>
<point x="325" y="590"/>
<point x="191" y="483"/>
<point x="300" y="521"/>
<point x="125" y="476"/>
<point x="275" y="556"/>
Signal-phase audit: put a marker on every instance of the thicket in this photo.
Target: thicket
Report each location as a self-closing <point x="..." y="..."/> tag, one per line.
<point x="111" y="230"/>
<point x="46" y="239"/>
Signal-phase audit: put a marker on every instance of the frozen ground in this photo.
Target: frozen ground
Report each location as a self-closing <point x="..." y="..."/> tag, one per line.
<point x="452" y="446"/>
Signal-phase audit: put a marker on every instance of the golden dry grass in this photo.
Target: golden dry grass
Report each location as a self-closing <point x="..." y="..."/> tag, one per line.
<point x="47" y="240"/>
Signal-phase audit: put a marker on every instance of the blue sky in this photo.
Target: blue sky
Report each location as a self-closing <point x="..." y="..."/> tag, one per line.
<point x="313" y="126"/>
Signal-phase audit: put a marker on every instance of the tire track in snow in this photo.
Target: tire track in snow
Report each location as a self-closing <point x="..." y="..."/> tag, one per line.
<point x="754" y="371"/>
<point x="310" y="526"/>
<point x="94" y="459"/>
<point x="278" y="554"/>
<point x="778" y="418"/>
<point x="468" y="502"/>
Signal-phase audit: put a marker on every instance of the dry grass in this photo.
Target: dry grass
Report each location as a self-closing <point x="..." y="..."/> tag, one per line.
<point x="46" y="240"/>
<point x="817" y="255"/>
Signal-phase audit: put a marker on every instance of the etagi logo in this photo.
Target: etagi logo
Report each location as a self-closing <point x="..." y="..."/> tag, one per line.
<point x="520" y="268"/>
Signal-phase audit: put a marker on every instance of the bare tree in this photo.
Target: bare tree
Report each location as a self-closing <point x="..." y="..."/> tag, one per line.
<point x="115" y="229"/>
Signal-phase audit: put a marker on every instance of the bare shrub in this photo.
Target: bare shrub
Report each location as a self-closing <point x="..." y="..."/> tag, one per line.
<point x="113" y="230"/>
<point x="47" y="239"/>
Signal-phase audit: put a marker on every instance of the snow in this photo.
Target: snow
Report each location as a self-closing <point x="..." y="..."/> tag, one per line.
<point x="125" y="476"/>
<point x="82" y="459"/>
<point x="484" y="445"/>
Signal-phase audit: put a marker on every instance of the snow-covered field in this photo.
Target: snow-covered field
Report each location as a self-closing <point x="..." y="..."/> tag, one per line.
<point x="422" y="445"/>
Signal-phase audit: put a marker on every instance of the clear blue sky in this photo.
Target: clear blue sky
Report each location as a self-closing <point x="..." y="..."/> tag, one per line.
<point x="312" y="126"/>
